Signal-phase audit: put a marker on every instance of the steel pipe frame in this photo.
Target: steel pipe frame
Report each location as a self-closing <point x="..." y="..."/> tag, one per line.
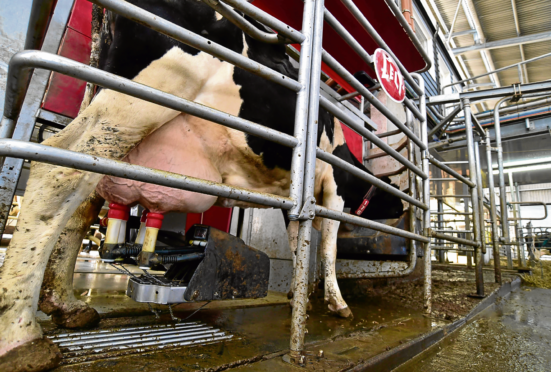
<point x="529" y="203"/>
<point x="246" y="26"/>
<point x="454" y="239"/>
<point x="493" y="211"/>
<point x="335" y="161"/>
<point x="411" y="210"/>
<point x="349" y="78"/>
<point x="41" y="13"/>
<point x="480" y="95"/>
<point x="468" y="219"/>
<point x="342" y="116"/>
<point x="348" y="38"/>
<point x="461" y="196"/>
<point x="502" y="191"/>
<point x="444" y="248"/>
<point x="363" y="222"/>
<point x="474" y="199"/>
<point x="22" y="63"/>
<point x="95" y="164"/>
<point x="427" y="274"/>
<point x="480" y="196"/>
<point x="445" y="122"/>
<point x="450" y="171"/>
<point x="313" y="24"/>
<point x="411" y="33"/>
<point x="357" y="14"/>
<point x="136" y="172"/>
<point x="446" y="142"/>
<point x="516" y="211"/>
<point x="178" y="33"/>
<point x="266" y="19"/>
<point x="11" y="169"/>
<point x="494" y="71"/>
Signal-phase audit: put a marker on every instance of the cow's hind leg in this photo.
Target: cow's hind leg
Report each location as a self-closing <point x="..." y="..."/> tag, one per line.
<point x="329" y="230"/>
<point x="110" y="127"/>
<point x="56" y="296"/>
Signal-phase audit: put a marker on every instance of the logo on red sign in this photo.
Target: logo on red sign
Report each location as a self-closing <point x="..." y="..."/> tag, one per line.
<point x="389" y="75"/>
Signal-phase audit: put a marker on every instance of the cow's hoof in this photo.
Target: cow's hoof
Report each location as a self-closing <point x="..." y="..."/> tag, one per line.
<point x="38" y="355"/>
<point x="81" y="317"/>
<point x="344" y="312"/>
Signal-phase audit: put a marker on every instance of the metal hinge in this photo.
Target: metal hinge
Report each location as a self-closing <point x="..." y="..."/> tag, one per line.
<point x="308" y="211"/>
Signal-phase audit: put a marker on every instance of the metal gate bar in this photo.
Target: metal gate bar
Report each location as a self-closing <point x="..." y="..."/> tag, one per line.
<point x="303" y="143"/>
<point x="22" y="64"/>
<point x="96" y="164"/>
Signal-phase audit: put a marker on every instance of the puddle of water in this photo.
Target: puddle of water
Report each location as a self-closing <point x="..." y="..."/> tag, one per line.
<point x="514" y="337"/>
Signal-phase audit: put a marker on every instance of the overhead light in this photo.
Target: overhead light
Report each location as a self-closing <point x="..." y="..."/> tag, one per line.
<point x="524" y="162"/>
<point x="524" y="169"/>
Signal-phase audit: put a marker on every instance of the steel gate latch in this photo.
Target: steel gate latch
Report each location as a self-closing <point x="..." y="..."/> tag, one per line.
<point x="308" y="211"/>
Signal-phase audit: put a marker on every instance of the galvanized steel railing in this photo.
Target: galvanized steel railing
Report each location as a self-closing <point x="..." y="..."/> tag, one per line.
<point x="301" y="203"/>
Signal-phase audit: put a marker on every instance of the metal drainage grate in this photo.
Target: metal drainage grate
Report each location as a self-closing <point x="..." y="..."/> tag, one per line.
<point x="121" y="341"/>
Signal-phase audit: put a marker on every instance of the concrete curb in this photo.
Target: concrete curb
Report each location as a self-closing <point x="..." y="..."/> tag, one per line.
<point x="393" y="358"/>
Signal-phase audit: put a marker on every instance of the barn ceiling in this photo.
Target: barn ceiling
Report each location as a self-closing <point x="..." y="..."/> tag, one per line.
<point x="491" y="34"/>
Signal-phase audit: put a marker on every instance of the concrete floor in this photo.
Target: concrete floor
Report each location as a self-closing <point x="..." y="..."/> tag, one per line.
<point x="512" y="336"/>
<point x="260" y="328"/>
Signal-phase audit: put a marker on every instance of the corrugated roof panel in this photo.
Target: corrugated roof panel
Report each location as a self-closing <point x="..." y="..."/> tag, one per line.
<point x="534" y="16"/>
<point x="496" y="19"/>
<point x="498" y="23"/>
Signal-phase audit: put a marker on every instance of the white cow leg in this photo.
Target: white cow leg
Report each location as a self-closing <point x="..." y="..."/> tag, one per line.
<point x="110" y="127"/>
<point x="56" y="296"/>
<point x="329" y="230"/>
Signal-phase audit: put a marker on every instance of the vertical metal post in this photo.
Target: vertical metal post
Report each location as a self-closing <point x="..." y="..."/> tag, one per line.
<point x="301" y="112"/>
<point x="440" y="217"/>
<point x="530" y="245"/>
<point x="427" y="284"/>
<point x="298" y="320"/>
<point x="23" y="129"/>
<point x="480" y="196"/>
<point x="493" y="211"/>
<point x="467" y="227"/>
<point x="520" y="238"/>
<point x="502" y="192"/>
<point x="474" y="197"/>
<point x="516" y="213"/>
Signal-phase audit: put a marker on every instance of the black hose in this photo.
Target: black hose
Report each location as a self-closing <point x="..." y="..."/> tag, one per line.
<point x="181" y="257"/>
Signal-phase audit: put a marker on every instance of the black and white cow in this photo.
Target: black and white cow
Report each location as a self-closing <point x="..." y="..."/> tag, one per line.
<point x="60" y="203"/>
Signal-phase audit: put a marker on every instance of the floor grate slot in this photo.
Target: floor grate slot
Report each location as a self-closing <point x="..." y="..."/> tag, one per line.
<point x="108" y="343"/>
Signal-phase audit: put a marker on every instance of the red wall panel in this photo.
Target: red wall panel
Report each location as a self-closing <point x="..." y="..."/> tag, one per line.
<point x="217" y="217"/>
<point x="81" y="17"/>
<point x="354" y="142"/>
<point x="65" y="93"/>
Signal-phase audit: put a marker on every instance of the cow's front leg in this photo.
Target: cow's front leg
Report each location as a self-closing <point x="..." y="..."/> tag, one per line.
<point x="329" y="230"/>
<point x="56" y="296"/>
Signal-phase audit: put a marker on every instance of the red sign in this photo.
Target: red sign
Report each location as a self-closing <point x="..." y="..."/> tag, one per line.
<point x="389" y="75"/>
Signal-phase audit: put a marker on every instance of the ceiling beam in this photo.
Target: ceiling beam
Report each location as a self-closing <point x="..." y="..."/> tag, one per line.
<point x="543" y="36"/>
<point x="463" y="33"/>
<point x="521" y="48"/>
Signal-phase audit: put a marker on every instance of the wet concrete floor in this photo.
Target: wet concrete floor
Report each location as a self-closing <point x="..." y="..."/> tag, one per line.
<point x="513" y="336"/>
<point x="261" y="328"/>
<point x="261" y="334"/>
